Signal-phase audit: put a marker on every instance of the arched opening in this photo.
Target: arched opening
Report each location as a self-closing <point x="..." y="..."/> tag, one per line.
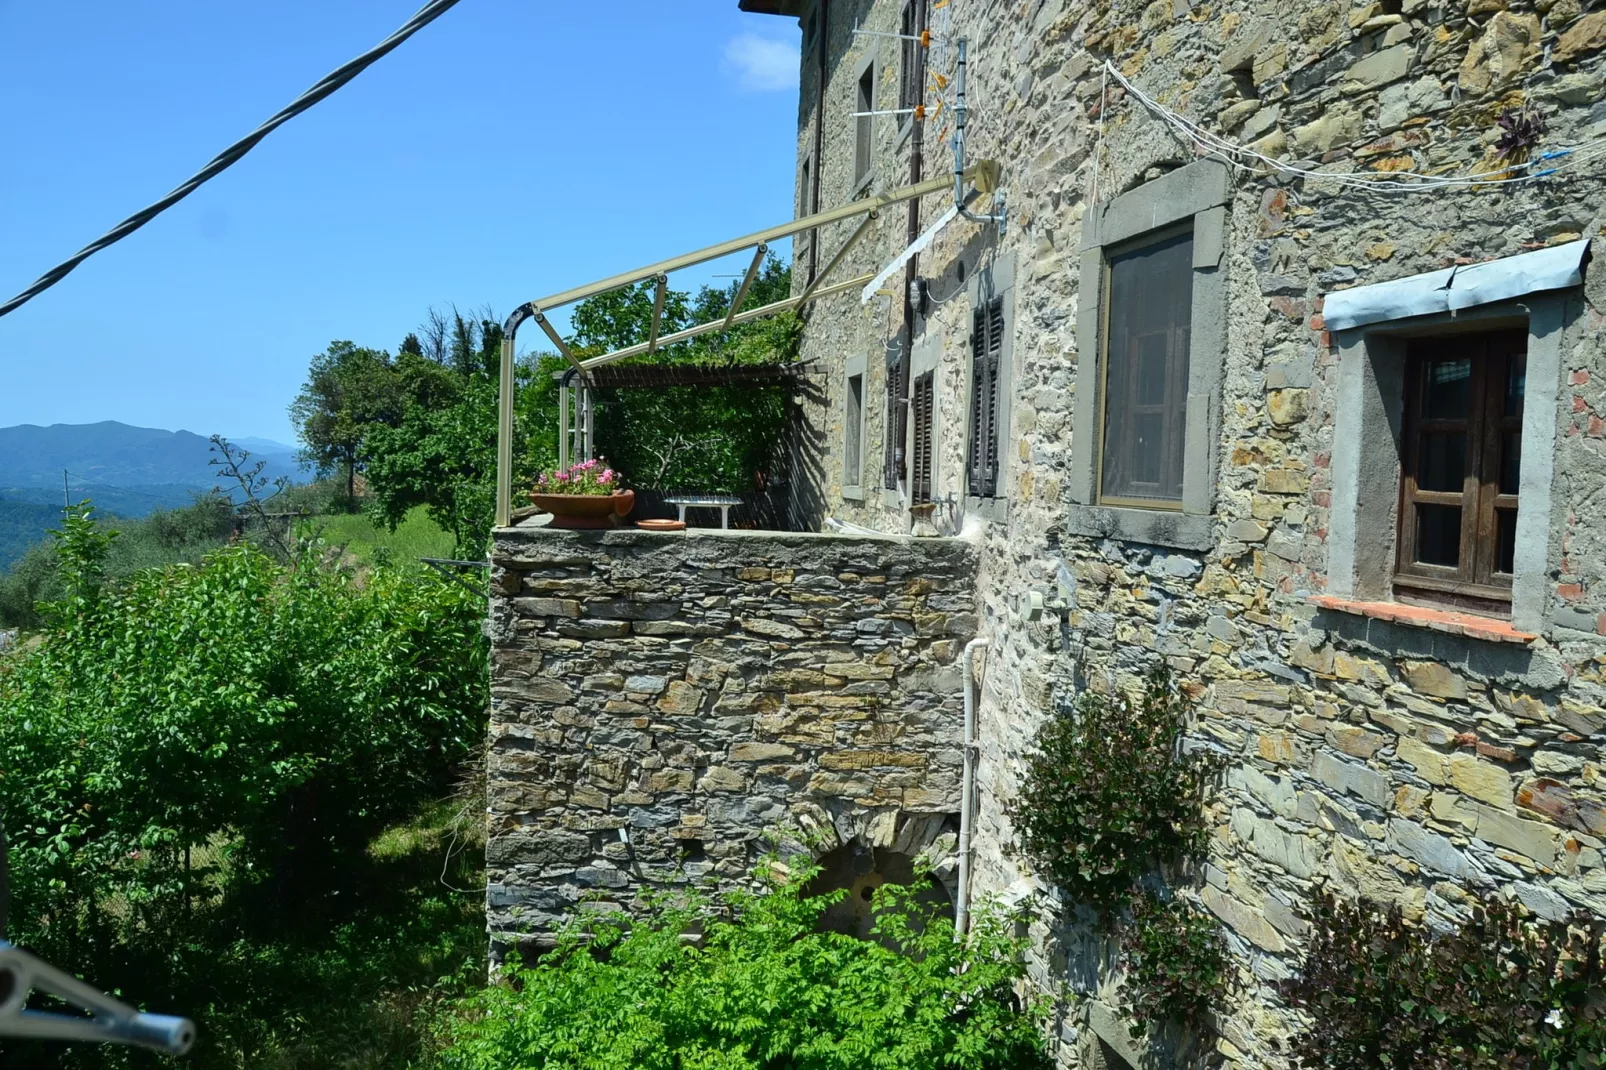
<point x="861" y="869"/>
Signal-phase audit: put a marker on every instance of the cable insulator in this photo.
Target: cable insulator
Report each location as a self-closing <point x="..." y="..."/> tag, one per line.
<point x="925" y="38"/>
<point x="920" y="113"/>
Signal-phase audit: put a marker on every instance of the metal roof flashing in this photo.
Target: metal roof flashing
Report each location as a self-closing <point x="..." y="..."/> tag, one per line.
<point x="1458" y="287"/>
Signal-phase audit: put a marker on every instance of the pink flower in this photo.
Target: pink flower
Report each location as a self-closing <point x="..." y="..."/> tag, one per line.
<point x="563" y="477"/>
<point x="606" y="477"/>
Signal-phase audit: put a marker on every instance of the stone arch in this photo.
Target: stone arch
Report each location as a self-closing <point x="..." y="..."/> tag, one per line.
<point x="859" y="849"/>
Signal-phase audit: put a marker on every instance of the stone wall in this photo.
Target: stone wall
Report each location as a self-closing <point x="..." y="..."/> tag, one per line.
<point x="664" y="702"/>
<point x="1401" y="758"/>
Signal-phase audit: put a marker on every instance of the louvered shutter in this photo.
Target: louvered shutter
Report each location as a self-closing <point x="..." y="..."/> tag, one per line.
<point x="987" y="347"/>
<point x="922" y="402"/>
<point x="896" y="425"/>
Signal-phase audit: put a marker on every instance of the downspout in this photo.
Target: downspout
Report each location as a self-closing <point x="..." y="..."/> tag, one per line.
<point x="961" y="115"/>
<point x="822" y="43"/>
<point x="900" y="429"/>
<point x="967" y="789"/>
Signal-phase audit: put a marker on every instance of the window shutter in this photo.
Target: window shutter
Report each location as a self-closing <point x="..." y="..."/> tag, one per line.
<point x="987" y="347"/>
<point x="896" y="425"/>
<point x="922" y="402"/>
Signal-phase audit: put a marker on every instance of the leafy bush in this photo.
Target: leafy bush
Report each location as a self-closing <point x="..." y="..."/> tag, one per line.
<point x="164" y="537"/>
<point x="287" y="713"/>
<point x="1503" y="990"/>
<point x="1176" y="965"/>
<point x="1110" y="793"/>
<point x="765" y="991"/>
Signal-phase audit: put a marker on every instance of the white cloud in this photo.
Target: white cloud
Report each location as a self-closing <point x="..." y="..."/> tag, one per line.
<point x="762" y="64"/>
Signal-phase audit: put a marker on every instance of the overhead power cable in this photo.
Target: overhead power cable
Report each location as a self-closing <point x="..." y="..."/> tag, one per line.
<point x="231" y="155"/>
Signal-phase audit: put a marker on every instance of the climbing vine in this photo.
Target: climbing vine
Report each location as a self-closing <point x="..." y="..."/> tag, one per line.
<point x="1176" y="965"/>
<point x="1111" y="792"/>
<point x="1503" y="989"/>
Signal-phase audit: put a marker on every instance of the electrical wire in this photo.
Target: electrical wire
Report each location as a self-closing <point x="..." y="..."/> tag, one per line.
<point x="1248" y="159"/>
<point x="231" y="155"/>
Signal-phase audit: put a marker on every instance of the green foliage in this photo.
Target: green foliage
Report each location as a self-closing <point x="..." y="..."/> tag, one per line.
<point x="416" y="536"/>
<point x="1176" y="965"/>
<point x="348" y="390"/>
<point x="1503" y="990"/>
<point x="765" y="991"/>
<point x="1111" y="793"/>
<point x="286" y="712"/>
<point x="442" y="453"/>
<point x="165" y="537"/>
<point x="722" y="439"/>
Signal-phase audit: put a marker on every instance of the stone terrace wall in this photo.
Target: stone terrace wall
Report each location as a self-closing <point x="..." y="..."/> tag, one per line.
<point x="662" y="701"/>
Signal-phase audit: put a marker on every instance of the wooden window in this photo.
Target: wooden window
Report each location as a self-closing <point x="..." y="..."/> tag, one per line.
<point x="853" y="431"/>
<point x="1461" y="466"/>
<point x="912" y="74"/>
<point x="1149" y="312"/>
<point x="987" y="350"/>
<point x="863" y="141"/>
<point x="922" y="403"/>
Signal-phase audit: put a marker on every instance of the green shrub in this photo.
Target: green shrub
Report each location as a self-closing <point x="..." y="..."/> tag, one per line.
<point x="1503" y="990"/>
<point x="1176" y="965"/>
<point x="765" y="991"/>
<point x="288" y="713"/>
<point x="1111" y="793"/>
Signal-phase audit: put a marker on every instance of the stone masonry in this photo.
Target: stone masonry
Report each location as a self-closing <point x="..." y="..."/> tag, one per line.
<point x="663" y="704"/>
<point x="1406" y="755"/>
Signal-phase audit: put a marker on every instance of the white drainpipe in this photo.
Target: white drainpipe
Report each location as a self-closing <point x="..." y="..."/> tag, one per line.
<point x="967" y="797"/>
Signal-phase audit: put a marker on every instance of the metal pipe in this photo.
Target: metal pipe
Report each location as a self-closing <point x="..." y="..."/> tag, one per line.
<point x="822" y="47"/>
<point x="657" y="313"/>
<point x="825" y="272"/>
<point x="563" y="424"/>
<point x="504" y="435"/>
<point x="961" y="114"/>
<point x="771" y="309"/>
<point x="747" y="282"/>
<point x="967" y="789"/>
<point x="562" y="347"/>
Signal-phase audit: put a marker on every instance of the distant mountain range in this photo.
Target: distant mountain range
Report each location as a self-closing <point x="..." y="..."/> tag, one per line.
<point x="126" y="470"/>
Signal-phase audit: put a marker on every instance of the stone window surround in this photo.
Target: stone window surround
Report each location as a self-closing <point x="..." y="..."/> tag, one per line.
<point x="997" y="279"/>
<point x="854" y="366"/>
<point x="1199" y="192"/>
<point x="1368" y="408"/>
<point x="870" y="61"/>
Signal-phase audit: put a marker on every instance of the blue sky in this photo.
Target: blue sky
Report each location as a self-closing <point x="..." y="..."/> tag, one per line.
<point x="510" y="149"/>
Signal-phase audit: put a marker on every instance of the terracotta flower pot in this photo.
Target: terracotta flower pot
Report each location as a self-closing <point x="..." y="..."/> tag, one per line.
<point x="585" y="510"/>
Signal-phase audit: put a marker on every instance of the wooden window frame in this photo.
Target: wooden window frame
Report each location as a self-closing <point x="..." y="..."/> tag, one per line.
<point x="1178" y="416"/>
<point x="853" y="427"/>
<point x="866" y="73"/>
<point x="1476" y="582"/>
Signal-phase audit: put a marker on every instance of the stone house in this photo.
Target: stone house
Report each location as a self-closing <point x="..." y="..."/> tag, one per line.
<point x="1280" y="368"/>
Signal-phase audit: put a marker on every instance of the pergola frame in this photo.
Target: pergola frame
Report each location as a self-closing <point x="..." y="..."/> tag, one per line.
<point x="984" y="174"/>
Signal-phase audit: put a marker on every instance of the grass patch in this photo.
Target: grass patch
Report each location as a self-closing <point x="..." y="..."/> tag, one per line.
<point x="415" y="537"/>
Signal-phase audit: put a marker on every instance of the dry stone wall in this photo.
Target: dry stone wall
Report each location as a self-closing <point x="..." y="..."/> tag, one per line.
<point x="1389" y="759"/>
<point x="662" y="704"/>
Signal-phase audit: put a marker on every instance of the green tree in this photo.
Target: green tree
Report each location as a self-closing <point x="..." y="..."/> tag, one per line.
<point x="349" y="391"/>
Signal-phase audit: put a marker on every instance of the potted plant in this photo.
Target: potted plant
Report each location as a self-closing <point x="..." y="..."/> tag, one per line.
<point x="584" y="495"/>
